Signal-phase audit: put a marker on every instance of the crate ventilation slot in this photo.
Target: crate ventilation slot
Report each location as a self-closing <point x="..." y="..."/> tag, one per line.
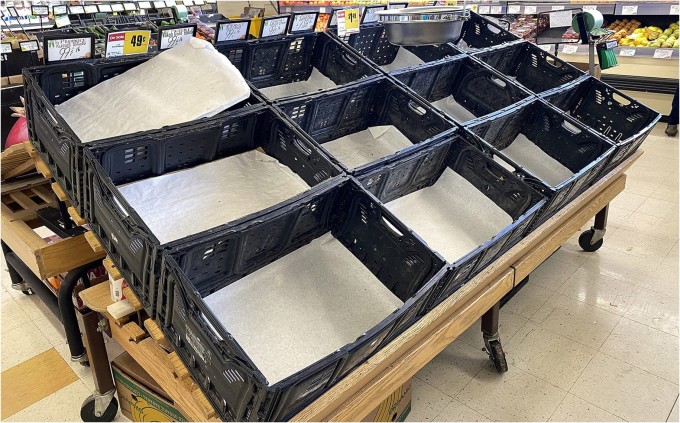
<point x="136" y="245"/>
<point x="233" y="376"/>
<point x="230" y="130"/>
<point x="63" y="149"/>
<point x="73" y="79"/>
<point x="136" y="154"/>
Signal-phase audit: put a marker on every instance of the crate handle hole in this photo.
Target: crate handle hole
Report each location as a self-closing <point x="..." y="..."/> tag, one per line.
<point x="493" y="29"/>
<point x="300" y="146"/>
<point x="620" y="99"/>
<point x="571" y="127"/>
<point x="392" y="228"/>
<point x="417" y="108"/>
<point x="498" y="82"/>
<point x="351" y="60"/>
<point x="553" y="61"/>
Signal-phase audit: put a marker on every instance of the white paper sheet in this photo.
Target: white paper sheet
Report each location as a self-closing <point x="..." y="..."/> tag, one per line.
<point x="183" y="203"/>
<point x="190" y="81"/>
<point x="404" y="59"/>
<point x="366" y="146"/>
<point x="302" y="307"/>
<point x="527" y="154"/>
<point x="317" y="81"/>
<point x="452" y="216"/>
<point x="454" y="109"/>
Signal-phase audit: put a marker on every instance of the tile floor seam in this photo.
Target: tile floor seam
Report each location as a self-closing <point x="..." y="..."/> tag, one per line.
<point x="671" y="412"/>
<point x="638" y="367"/>
<point x="608" y="411"/>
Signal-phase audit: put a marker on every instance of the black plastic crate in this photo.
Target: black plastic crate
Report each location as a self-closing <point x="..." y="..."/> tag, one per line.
<point x="344" y="111"/>
<point x="530" y="66"/>
<point x="125" y="236"/>
<point x="475" y="88"/>
<point x="227" y="375"/>
<point x="479" y="33"/>
<point x="607" y="111"/>
<point x="57" y="144"/>
<point x="271" y="62"/>
<point x="505" y="187"/>
<point x="560" y="137"/>
<point x="371" y="42"/>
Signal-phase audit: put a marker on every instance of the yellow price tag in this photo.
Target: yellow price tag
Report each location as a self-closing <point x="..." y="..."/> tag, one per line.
<point x="451" y="3"/>
<point x="352" y="20"/>
<point x="136" y="42"/>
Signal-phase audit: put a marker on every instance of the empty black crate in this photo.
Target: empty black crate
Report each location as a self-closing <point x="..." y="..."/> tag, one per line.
<point x="529" y="65"/>
<point x="292" y="59"/>
<point x="356" y="222"/>
<point x="126" y="238"/>
<point x="58" y="145"/>
<point x="562" y="155"/>
<point x="354" y="116"/>
<point x="462" y="88"/>
<point x="371" y="42"/>
<point x="621" y="119"/>
<point x="420" y="170"/>
<point x="479" y="33"/>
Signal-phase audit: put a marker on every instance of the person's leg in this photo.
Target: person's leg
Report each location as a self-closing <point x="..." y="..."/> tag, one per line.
<point x="672" y="127"/>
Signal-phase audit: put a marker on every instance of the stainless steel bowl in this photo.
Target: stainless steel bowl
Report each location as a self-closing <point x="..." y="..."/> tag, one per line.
<point x="423" y="25"/>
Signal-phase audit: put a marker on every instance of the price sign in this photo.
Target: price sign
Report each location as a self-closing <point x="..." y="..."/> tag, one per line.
<point x="117" y="7"/>
<point x="303" y="22"/>
<point x="348" y="21"/>
<point x="569" y="49"/>
<point x="232" y="30"/>
<point x="589" y="7"/>
<point x="397" y="6"/>
<point x="170" y="3"/>
<point x="560" y="19"/>
<point x="173" y="36"/>
<point x="199" y="2"/>
<point x="557" y="7"/>
<point x="627" y="52"/>
<point x="188" y="2"/>
<point x="104" y="7"/>
<point x="159" y="4"/>
<point x="545" y="47"/>
<point x="663" y="53"/>
<point x="91" y="8"/>
<point x="484" y="10"/>
<point x="496" y="10"/>
<point x="370" y="14"/>
<point x="62" y="21"/>
<point x="274" y="26"/>
<point x="59" y="10"/>
<point x="514" y="9"/>
<point x="629" y="10"/>
<point x="6" y="48"/>
<point x="529" y="10"/>
<point x="59" y="48"/>
<point x="31" y="45"/>
<point x="76" y="10"/>
<point x="675" y="9"/>
<point x="129" y="6"/>
<point x="40" y="10"/>
<point x="126" y="43"/>
<point x="144" y="4"/>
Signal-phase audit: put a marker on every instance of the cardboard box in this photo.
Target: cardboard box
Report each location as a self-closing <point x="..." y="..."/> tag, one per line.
<point x="140" y="397"/>
<point x="395" y="408"/>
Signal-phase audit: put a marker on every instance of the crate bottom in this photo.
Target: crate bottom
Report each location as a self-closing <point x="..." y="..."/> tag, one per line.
<point x="364" y="147"/>
<point x="528" y="155"/>
<point x="316" y="82"/>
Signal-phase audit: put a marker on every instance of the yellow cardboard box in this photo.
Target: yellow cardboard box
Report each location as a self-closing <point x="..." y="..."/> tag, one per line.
<point x="395" y="408"/>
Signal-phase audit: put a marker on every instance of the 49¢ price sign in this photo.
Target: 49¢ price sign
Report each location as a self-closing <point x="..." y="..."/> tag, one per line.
<point x="126" y="43"/>
<point x="348" y="21"/>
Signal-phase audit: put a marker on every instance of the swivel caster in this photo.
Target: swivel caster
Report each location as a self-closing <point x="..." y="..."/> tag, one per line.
<point x="497" y="355"/>
<point x="23" y="287"/>
<point x="94" y="409"/>
<point x="591" y="240"/>
<point x="28" y="291"/>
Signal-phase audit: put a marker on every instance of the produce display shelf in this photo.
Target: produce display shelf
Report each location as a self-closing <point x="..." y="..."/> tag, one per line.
<point x="654" y="53"/>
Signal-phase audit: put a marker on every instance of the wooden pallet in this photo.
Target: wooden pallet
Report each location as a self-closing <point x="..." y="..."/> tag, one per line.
<point x="16" y="161"/>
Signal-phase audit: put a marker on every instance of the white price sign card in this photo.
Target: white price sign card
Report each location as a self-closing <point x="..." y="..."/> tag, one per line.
<point x="172" y="37"/>
<point x="529" y="10"/>
<point x="232" y="30"/>
<point x="587" y="7"/>
<point x="303" y="22"/>
<point x="484" y="10"/>
<point x="560" y="19"/>
<point x="675" y="9"/>
<point x="663" y="53"/>
<point x="557" y="7"/>
<point x="514" y="9"/>
<point x="569" y="49"/>
<point x="274" y="26"/>
<point x="370" y="15"/>
<point x="6" y="48"/>
<point x="496" y="10"/>
<point x="61" y="48"/>
<point x="629" y="10"/>
<point x="31" y="45"/>
<point x="627" y="52"/>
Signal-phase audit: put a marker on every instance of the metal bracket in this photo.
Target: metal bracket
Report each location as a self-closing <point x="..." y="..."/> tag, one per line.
<point x="488" y="339"/>
<point x="21" y="286"/>
<point x="598" y="234"/>
<point x="102" y="401"/>
<point x="103" y="325"/>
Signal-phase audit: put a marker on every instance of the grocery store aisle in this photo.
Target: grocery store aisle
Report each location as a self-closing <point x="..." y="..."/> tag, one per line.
<point x="593" y="336"/>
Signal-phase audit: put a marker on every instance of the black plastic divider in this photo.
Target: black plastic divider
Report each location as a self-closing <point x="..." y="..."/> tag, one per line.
<point x="507" y="189"/>
<point x="56" y="142"/>
<point x="607" y="111"/>
<point x="284" y="60"/>
<point x="356" y="107"/>
<point x="194" y="269"/>
<point x="478" y="88"/>
<point x="561" y="137"/>
<point x="480" y="33"/>
<point x="124" y="235"/>
<point x="529" y="65"/>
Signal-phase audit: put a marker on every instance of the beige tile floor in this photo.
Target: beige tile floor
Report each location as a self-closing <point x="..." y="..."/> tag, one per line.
<point x="592" y="337"/>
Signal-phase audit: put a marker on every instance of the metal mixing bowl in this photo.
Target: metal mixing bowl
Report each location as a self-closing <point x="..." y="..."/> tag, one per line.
<point x="423" y="25"/>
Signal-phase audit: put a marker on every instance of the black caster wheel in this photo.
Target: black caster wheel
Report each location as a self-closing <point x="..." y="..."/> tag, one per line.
<point x="87" y="411"/>
<point x="498" y="356"/>
<point x="28" y="291"/>
<point x="584" y="241"/>
<point x="85" y="363"/>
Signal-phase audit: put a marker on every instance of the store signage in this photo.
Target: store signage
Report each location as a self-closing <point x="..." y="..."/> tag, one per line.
<point x="144" y="4"/>
<point x="129" y="6"/>
<point x="170" y="3"/>
<point x="62" y="21"/>
<point x="91" y="8"/>
<point x="560" y="19"/>
<point x="31" y="45"/>
<point x="59" y="10"/>
<point x="40" y="10"/>
<point x="6" y="48"/>
<point x="397" y="6"/>
<point x="232" y="30"/>
<point x="484" y="10"/>
<point x="370" y="15"/>
<point x="173" y="36"/>
<point x="104" y="7"/>
<point x="496" y="10"/>
<point x="199" y="2"/>
<point x="188" y="2"/>
<point x="68" y="47"/>
<point x="514" y="9"/>
<point x="675" y="9"/>
<point x="159" y="4"/>
<point x="589" y="7"/>
<point x="117" y="7"/>
<point x="557" y="7"/>
<point x="348" y="21"/>
<point x="569" y="49"/>
<point x="529" y="10"/>
<point x="629" y="10"/>
<point x="276" y="25"/>
<point x="126" y="43"/>
<point x="663" y="53"/>
<point x="303" y="22"/>
<point x="627" y="52"/>
<point x="76" y="10"/>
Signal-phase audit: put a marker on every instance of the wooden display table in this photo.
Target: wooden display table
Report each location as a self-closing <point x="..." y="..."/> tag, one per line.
<point x="363" y="389"/>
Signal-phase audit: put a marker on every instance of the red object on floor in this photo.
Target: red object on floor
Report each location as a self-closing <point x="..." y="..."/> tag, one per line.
<point x="18" y="133"/>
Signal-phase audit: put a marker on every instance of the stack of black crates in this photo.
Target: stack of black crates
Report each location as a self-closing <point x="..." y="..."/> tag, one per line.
<point x="510" y="88"/>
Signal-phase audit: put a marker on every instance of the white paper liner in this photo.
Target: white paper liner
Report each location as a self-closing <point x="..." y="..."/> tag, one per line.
<point x="302" y="307"/>
<point x="454" y="109"/>
<point x="527" y="154"/>
<point x="183" y="203"/>
<point x="366" y="146"/>
<point x="190" y="81"/>
<point x="404" y="59"/>
<point x="317" y="81"/>
<point x="451" y="216"/>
